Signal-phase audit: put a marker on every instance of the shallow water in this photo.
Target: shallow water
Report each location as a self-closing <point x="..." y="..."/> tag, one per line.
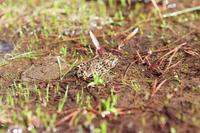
<point x="5" y="47"/>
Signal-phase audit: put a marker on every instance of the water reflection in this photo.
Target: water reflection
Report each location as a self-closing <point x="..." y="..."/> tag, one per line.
<point x="5" y="47"/>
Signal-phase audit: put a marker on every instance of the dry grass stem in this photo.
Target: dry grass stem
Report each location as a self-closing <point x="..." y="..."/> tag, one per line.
<point x="157" y="86"/>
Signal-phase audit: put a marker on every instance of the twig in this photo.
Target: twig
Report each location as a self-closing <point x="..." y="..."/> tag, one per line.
<point x="147" y="61"/>
<point x="95" y="41"/>
<point x="157" y="87"/>
<point x="173" y="14"/>
<point x="127" y="69"/>
<point x="68" y="111"/>
<point x="60" y="67"/>
<point x="160" y="50"/>
<point x="192" y="53"/>
<point x="154" y="85"/>
<point x="71" y="67"/>
<point x="70" y="117"/>
<point x="163" y="16"/>
<point x="140" y="57"/>
<point x="132" y="34"/>
<point x="157" y="8"/>
<point x="172" y="66"/>
<point x="74" y="116"/>
<point x="176" y="41"/>
<point x="171" y="58"/>
<point x="172" y="51"/>
<point x="136" y="25"/>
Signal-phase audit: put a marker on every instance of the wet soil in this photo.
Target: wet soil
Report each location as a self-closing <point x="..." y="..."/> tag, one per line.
<point x="156" y="55"/>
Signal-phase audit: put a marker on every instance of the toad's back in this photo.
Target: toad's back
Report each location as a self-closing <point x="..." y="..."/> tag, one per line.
<point x="99" y="65"/>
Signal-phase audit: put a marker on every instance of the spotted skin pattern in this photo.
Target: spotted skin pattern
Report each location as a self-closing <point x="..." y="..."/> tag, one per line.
<point x="99" y="65"/>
